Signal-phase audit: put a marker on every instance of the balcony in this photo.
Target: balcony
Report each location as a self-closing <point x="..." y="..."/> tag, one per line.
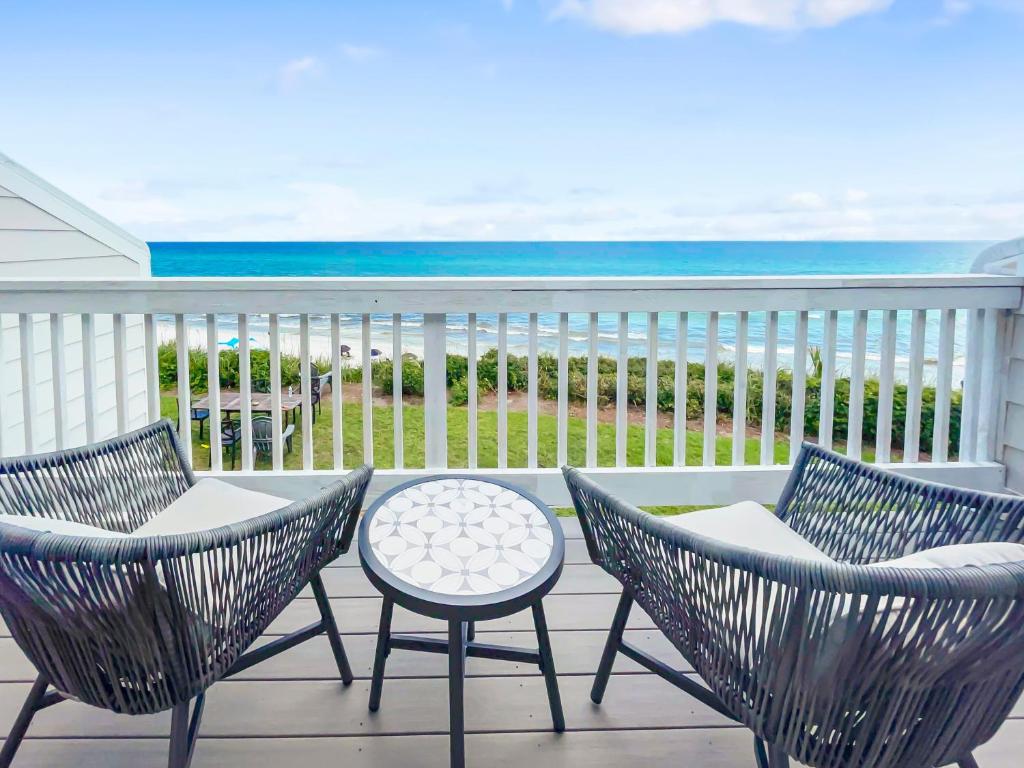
<point x="82" y="363"/>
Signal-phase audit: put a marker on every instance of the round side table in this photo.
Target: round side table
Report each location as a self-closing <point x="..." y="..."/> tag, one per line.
<point x="462" y="549"/>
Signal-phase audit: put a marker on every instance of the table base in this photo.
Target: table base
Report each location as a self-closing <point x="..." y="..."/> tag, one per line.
<point x="461" y="639"/>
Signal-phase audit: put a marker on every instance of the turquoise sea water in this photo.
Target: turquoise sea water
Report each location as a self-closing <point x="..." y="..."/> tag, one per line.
<point x="580" y="259"/>
<point x="547" y="258"/>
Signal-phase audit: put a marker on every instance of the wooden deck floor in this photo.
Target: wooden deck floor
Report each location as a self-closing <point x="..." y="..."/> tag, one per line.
<point x="292" y="711"/>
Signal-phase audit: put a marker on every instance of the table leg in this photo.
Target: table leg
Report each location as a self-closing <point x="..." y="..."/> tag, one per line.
<point x="383" y="649"/>
<point x="456" y="679"/>
<point x="547" y="666"/>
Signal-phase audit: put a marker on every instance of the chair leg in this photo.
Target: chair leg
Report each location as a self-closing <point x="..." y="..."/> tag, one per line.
<point x="611" y="647"/>
<point x="184" y="730"/>
<point x="381" y="656"/>
<point x="28" y="711"/>
<point x="769" y="755"/>
<point x="331" y="628"/>
<point x="471" y="631"/>
<point x="547" y="666"/>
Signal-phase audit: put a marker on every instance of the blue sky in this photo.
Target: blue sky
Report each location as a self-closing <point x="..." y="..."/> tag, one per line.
<point x="525" y="119"/>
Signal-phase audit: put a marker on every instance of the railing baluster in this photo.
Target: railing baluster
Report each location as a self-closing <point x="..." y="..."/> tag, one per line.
<point x="883" y="442"/>
<point x="988" y="391"/>
<point x="710" y="389"/>
<point x="679" y="415"/>
<point x="245" y="391"/>
<point x="59" y="379"/>
<point x="796" y="419"/>
<point x="120" y="374"/>
<point x="435" y="397"/>
<point x="771" y="375"/>
<point x="912" y="430"/>
<point x="367" y="387"/>
<point x="828" y="379"/>
<point x="396" y="390"/>
<point x="213" y="393"/>
<point x="305" y="386"/>
<point x="622" y="392"/>
<point x="943" y="385"/>
<point x="592" y="391"/>
<point x="971" y="386"/>
<point x="563" y="388"/>
<point x="531" y="402"/>
<point x="739" y="393"/>
<point x="502" y="390"/>
<point x="651" y="396"/>
<point x="184" y="389"/>
<point x="26" y="328"/>
<point x="471" y="374"/>
<point x="152" y="369"/>
<point x="855" y="436"/>
<point x="337" y="390"/>
<point x="276" y="414"/>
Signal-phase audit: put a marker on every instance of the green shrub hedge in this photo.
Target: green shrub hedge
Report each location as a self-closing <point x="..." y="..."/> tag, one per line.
<point x="636" y="377"/>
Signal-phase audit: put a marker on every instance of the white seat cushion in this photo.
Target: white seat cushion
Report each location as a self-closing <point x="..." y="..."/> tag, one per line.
<point x="950" y="556"/>
<point x="748" y="524"/>
<point x="959" y="556"/>
<point x="208" y="504"/>
<point x="65" y="527"/>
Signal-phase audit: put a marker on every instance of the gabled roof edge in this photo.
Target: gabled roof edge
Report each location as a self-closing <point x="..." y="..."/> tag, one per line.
<point x="25" y="184"/>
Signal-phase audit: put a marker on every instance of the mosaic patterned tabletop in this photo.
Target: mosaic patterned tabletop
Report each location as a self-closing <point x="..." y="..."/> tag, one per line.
<point x="458" y="536"/>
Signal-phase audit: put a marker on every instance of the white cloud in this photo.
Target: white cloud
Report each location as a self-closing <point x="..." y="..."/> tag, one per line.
<point x="953" y="10"/>
<point x="323" y="210"/>
<point x="360" y="53"/>
<point x="638" y="17"/>
<point x="297" y="69"/>
<point x="806" y="200"/>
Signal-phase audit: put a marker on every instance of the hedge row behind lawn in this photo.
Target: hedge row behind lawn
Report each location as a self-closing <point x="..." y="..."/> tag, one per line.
<point x="547" y="387"/>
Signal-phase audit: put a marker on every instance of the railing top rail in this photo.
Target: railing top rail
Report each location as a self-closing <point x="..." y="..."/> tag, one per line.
<point x="511" y="294"/>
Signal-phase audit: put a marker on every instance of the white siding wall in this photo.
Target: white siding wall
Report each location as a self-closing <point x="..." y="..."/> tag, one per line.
<point x="36" y="243"/>
<point x="1013" y="427"/>
<point x="12" y="435"/>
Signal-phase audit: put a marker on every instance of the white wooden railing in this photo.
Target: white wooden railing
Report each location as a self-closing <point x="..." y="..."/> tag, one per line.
<point x="943" y="313"/>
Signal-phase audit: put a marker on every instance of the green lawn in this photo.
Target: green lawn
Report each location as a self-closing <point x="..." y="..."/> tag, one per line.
<point x="458" y="421"/>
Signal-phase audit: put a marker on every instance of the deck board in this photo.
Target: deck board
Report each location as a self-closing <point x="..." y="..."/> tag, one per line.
<point x="292" y="709"/>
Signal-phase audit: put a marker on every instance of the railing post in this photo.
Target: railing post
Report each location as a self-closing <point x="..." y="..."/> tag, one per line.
<point x="435" y="395"/>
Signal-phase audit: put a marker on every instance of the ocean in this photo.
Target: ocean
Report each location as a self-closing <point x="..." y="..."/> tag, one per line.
<point x="429" y="259"/>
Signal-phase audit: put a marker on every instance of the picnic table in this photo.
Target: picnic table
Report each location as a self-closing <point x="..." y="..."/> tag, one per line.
<point x="231" y="402"/>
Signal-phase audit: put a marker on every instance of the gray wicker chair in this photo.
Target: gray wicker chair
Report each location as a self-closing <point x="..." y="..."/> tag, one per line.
<point x="927" y="665"/>
<point x="138" y="625"/>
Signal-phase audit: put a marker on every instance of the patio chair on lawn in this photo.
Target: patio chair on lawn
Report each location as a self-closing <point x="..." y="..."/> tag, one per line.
<point x="871" y="621"/>
<point x="263" y="436"/>
<point x="201" y="415"/>
<point x="316" y="381"/>
<point x="230" y="439"/>
<point x="132" y="587"/>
